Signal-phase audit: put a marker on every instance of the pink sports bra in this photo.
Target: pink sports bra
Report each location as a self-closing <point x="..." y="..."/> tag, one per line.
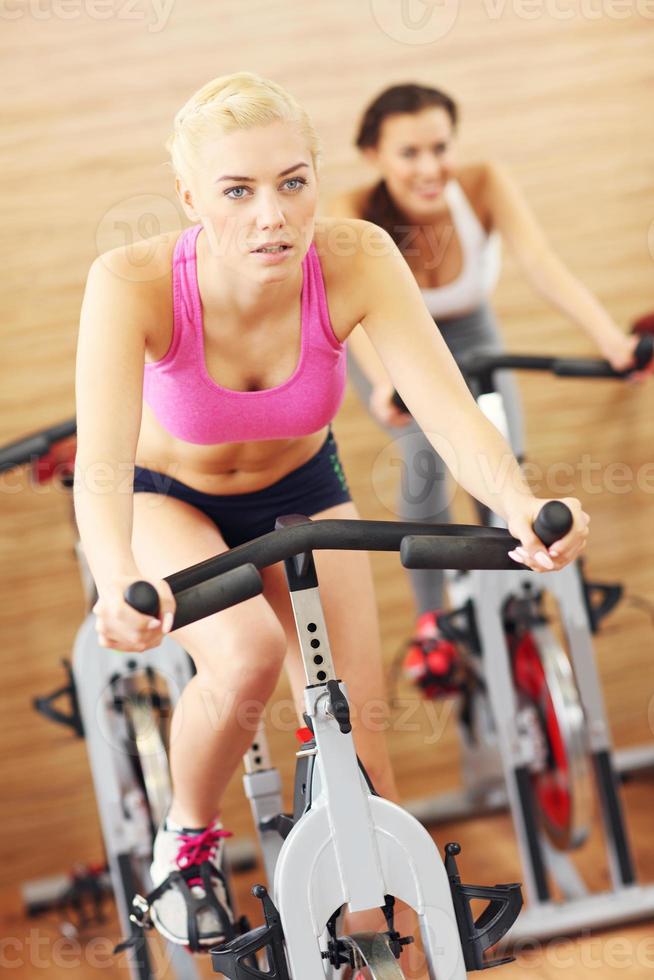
<point x="193" y="407"/>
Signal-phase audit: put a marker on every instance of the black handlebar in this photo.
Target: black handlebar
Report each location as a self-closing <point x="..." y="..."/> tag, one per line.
<point x="482" y="362"/>
<point x="205" y="599"/>
<point x="581" y="368"/>
<point x="481" y="365"/>
<point x="552" y="523"/>
<point x="233" y="576"/>
<point x="35" y="446"/>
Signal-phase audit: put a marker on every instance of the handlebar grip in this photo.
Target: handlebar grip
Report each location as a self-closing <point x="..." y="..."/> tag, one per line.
<point x="644" y="351"/>
<point x="212" y="596"/>
<point x="17" y="454"/>
<point x="553" y="522"/>
<point x="398" y="402"/>
<point x="462" y="553"/>
<point x="586" y="368"/>
<point x="216" y="594"/>
<point x="143" y="597"/>
<point x="33" y="447"/>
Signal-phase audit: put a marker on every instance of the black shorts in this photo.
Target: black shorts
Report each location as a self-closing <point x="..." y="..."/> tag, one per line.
<point x="316" y="485"/>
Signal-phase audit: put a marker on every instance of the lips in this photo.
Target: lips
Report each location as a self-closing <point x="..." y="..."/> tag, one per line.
<point x="273" y="247"/>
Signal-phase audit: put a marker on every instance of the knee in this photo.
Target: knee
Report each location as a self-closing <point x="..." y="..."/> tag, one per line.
<point x="248" y="660"/>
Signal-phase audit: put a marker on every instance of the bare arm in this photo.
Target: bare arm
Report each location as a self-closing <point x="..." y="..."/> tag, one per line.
<point x="109" y="384"/>
<point x="359" y="345"/>
<point x="109" y="380"/>
<point x="514" y="219"/>
<point x="429" y="381"/>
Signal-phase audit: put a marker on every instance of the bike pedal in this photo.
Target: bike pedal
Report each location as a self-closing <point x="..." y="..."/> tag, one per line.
<point x="480" y="934"/>
<point x="140" y="914"/>
<point x="237" y="960"/>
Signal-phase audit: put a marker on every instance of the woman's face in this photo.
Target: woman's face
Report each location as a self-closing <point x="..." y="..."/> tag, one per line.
<point x="415" y="157"/>
<point x="256" y="189"/>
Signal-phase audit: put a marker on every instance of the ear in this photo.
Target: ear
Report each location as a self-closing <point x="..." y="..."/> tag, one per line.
<point x="186" y="198"/>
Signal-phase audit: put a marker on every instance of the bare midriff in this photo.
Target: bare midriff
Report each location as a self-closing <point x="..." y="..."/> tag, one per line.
<point x="231" y="468"/>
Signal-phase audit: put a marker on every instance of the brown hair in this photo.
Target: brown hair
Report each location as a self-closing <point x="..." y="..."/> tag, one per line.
<point x="409" y="98"/>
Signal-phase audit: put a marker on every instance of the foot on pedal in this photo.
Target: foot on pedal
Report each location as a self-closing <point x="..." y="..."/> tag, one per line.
<point x="432" y="660"/>
<point x="189" y="904"/>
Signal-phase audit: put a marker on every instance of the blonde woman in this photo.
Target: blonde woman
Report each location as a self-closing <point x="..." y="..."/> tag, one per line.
<point x="210" y="366"/>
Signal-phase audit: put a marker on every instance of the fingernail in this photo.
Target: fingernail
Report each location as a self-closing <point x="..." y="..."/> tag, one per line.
<point x="153" y="623"/>
<point x="544" y="560"/>
<point x="513" y="555"/>
<point x="167" y="622"/>
<point x="553" y="553"/>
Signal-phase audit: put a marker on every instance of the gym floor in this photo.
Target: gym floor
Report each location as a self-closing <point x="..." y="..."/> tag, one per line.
<point x="561" y="94"/>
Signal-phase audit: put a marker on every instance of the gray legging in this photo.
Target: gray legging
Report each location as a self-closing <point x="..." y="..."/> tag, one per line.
<point x="424" y="493"/>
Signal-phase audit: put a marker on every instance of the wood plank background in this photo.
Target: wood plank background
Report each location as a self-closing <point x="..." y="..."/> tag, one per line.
<point x="562" y="94"/>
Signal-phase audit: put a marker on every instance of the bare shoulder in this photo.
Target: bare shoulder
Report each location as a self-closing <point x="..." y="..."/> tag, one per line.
<point x="143" y="263"/>
<point x="353" y="253"/>
<point x="475" y="180"/>
<point x="137" y="278"/>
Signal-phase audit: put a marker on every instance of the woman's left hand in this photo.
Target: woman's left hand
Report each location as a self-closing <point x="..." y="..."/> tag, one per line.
<point x="619" y="351"/>
<point x="532" y="552"/>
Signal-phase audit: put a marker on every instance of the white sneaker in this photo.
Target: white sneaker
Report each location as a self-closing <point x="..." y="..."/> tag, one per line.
<point x="189" y="904"/>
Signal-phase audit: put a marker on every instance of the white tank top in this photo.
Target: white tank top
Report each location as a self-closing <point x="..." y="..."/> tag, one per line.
<point x="481" y="261"/>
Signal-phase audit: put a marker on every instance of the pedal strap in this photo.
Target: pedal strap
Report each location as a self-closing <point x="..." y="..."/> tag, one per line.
<point x="178" y="879"/>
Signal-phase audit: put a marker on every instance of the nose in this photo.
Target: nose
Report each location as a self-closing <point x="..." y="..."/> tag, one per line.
<point x="269" y="213"/>
<point x="429" y="168"/>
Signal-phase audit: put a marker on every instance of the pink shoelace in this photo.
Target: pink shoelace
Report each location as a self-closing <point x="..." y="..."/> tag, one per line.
<point x="197" y="848"/>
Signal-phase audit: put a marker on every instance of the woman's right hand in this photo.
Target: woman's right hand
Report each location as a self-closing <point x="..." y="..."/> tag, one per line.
<point x="383" y="409"/>
<point x="120" y="627"/>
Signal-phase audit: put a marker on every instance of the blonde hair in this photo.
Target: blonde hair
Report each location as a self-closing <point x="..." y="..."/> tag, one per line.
<point x="228" y="103"/>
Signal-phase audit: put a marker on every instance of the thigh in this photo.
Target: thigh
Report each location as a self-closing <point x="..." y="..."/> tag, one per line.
<point x="170" y="534"/>
<point x="424" y="487"/>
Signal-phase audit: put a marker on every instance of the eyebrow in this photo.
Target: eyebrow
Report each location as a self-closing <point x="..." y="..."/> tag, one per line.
<point x="253" y="180"/>
<point x="414" y="146"/>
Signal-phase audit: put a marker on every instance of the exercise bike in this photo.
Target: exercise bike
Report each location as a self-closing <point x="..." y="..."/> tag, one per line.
<point x="122" y="706"/>
<point x="531" y="714"/>
<point x="344" y="845"/>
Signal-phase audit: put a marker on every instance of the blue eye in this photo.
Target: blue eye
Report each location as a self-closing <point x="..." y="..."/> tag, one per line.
<point x="229" y="193"/>
<point x="240" y="192"/>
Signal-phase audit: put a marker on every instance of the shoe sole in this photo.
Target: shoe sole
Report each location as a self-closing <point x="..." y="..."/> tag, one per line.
<point x="176" y="939"/>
